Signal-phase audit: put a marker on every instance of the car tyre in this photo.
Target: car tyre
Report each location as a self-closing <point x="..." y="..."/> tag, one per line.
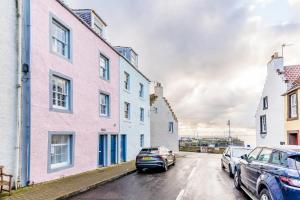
<point x="237" y="180"/>
<point x="165" y="166"/>
<point x="174" y="161"/>
<point x="231" y="175"/>
<point x="139" y="170"/>
<point x="265" y="195"/>
<point x="222" y="165"/>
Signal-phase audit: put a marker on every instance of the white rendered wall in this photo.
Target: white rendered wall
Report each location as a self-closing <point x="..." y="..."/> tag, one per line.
<point x="133" y="128"/>
<point x="274" y="87"/>
<point x="8" y="80"/>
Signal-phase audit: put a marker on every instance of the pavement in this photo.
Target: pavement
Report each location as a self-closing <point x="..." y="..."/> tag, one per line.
<point x="72" y="185"/>
<point x="196" y="176"/>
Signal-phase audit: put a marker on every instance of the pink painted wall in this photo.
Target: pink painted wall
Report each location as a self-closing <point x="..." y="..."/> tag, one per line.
<point x="84" y="70"/>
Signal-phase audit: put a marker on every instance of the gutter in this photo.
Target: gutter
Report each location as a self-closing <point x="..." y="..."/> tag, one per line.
<point x="18" y="167"/>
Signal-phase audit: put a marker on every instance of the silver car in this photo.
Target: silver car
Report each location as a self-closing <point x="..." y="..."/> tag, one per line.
<point x="231" y="157"/>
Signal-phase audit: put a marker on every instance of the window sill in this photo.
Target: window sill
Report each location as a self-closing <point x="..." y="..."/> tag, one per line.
<point x="51" y="170"/>
<point x="127" y="120"/>
<point x="142" y="123"/>
<point x="292" y="118"/>
<point x="61" y="56"/>
<point x="61" y="110"/>
<point x="103" y="79"/>
<point x="127" y="91"/>
<point x="104" y="116"/>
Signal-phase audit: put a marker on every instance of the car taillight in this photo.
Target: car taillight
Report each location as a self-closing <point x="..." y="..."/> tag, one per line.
<point x="290" y="181"/>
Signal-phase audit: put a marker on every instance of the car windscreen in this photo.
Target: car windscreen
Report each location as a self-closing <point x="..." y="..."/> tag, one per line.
<point x="294" y="162"/>
<point x="238" y="152"/>
<point x="149" y="151"/>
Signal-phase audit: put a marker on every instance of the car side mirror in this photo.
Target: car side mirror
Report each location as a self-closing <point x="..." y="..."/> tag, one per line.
<point x="244" y="157"/>
<point x="170" y="151"/>
<point x="228" y="155"/>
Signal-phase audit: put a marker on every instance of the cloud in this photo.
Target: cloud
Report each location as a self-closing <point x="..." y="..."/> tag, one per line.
<point x="209" y="55"/>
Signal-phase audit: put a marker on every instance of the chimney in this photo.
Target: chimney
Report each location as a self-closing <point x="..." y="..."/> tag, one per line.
<point x="276" y="63"/>
<point x="158" y="90"/>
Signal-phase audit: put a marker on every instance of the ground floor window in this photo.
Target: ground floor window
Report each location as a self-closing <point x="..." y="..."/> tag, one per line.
<point x="61" y="150"/>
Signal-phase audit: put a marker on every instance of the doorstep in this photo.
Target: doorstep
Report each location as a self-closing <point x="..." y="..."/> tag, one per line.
<point x="72" y="185"/>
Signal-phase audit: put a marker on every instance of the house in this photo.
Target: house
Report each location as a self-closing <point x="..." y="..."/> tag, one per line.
<point x="10" y="86"/>
<point x="72" y="93"/>
<point x="163" y="121"/>
<point x="270" y="116"/>
<point x="291" y="114"/>
<point x="134" y="106"/>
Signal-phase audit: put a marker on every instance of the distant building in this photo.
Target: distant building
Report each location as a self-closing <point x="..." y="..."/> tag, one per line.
<point x="270" y="111"/>
<point x="291" y="108"/>
<point x="134" y="107"/>
<point x="164" y="123"/>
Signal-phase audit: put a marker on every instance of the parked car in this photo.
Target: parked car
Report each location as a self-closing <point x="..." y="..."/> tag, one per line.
<point x="231" y="158"/>
<point x="270" y="173"/>
<point x="155" y="157"/>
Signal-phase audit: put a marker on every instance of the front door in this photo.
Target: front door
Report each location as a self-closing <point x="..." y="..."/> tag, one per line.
<point x="293" y="138"/>
<point x="102" y="150"/>
<point x="113" y="149"/>
<point x="123" y="148"/>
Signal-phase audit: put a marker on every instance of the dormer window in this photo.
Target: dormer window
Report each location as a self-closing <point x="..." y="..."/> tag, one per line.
<point x="265" y="103"/>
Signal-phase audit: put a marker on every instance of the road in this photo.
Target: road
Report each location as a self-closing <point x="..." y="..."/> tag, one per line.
<point x="195" y="177"/>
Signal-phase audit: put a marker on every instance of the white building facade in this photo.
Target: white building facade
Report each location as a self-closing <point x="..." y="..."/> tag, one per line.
<point x="134" y="107"/>
<point x="164" y="123"/>
<point x="270" y="111"/>
<point x="9" y="56"/>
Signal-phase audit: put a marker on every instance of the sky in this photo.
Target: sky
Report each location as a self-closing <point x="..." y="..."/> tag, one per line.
<point x="209" y="55"/>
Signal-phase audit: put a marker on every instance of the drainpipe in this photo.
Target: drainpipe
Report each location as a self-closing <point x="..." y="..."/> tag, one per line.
<point x="18" y="168"/>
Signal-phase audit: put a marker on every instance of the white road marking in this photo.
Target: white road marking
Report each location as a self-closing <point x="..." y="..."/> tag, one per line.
<point x="180" y="195"/>
<point x="191" y="174"/>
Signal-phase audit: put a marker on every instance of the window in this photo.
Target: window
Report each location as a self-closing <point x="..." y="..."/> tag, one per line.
<point x="60" y="39"/>
<point x="104" y="105"/>
<point x="265" y="103"/>
<point x="126" y="81"/>
<point x="104" y="67"/>
<point x="171" y="127"/>
<point x="265" y="155"/>
<point x="142" y="114"/>
<point x="142" y="140"/>
<point x="127" y="110"/>
<point x="98" y="29"/>
<point x="61" y="151"/>
<point x="279" y="158"/>
<point x="253" y="155"/>
<point x="293" y="110"/>
<point x="141" y="91"/>
<point x="263" y="124"/>
<point x="60" y="93"/>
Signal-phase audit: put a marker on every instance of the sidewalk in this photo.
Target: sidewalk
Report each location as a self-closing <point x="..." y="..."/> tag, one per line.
<point x="72" y="185"/>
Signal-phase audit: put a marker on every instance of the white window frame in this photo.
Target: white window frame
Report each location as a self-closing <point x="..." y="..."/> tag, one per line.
<point x="141" y="90"/>
<point x="55" y="40"/>
<point x="126" y="81"/>
<point x="142" y="114"/>
<point x="104" y="70"/>
<point x="65" y="93"/>
<point x="293" y="106"/>
<point x="127" y="110"/>
<point x="106" y="104"/>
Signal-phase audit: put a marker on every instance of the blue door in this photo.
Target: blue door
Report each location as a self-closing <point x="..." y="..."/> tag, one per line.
<point x="113" y="149"/>
<point x="102" y="150"/>
<point x="123" y="148"/>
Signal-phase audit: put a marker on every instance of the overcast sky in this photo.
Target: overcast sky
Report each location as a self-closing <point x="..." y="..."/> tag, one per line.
<point x="210" y="55"/>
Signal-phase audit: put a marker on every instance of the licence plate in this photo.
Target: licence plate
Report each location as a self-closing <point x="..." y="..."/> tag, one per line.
<point x="147" y="158"/>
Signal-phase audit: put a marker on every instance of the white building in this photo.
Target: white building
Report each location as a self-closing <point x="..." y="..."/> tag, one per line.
<point x="134" y="106"/>
<point x="270" y="111"/>
<point x="8" y="86"/>
<point x="164" y="123"/>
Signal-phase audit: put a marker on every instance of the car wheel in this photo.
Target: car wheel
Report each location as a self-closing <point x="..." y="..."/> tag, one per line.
<point x="165" y="167"/>
<point x="264" y="195"/>
<point x="174" y="161"/>
<point x="222" y="165"/>
<point x="237" y="180"/>
<point x="230" y="171"/>
<point x="139" y="170"/>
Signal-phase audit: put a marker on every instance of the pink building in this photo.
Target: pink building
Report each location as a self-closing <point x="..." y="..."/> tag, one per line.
<point x="74" y="87"/>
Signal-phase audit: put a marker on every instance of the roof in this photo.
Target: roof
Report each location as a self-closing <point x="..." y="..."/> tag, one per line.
<point x="93" y="11"/>
<point x="153" y="98"/>
<point x="286" y="148"/>
<point x="292" y="72"/>
<point x="87" y="26"/>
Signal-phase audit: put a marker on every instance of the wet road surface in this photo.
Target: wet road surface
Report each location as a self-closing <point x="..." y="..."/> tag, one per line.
<point x="194" y="177"/>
